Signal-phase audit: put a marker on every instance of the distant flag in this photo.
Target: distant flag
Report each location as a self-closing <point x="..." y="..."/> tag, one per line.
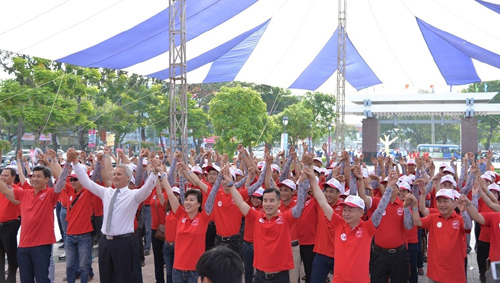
<point x="432" y="88"/>
<point x="407" y="86"/>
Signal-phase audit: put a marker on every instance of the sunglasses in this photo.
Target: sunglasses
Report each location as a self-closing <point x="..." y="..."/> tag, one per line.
<point x="73" y="179"/>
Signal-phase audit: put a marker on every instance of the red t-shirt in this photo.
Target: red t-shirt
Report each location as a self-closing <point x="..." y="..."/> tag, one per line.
<point x="37" y="219"/>
<point x="8" y="210"/>
<point x="485" y="231"/>
<point x="249" y="226"/>
<point x="352" y="249"/>
<point x="170" y="226"/>
<point x="412" y="235"/>
<point x="189" y="239"/>
<point x="226" y="214"/>
<point x="157" y="210"/>
<point x="308" y="222"/>
<point x="294" y="228"/>
<point x="391" y="232"/>
<point x="79" y="215"/>
<point x="272" y="249"/>
<point x="63" y="198"/>
<point x="492" y="221"/>
<point x="445" y="247"/>
<point x="97" y="206"/>
<point x="325" y="243"/>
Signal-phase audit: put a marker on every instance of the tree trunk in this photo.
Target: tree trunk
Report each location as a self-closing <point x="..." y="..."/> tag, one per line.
<point x="55" y="146"/>
<point x="20" y="133"/>
<point x="490" y="135"/>
<point x="162" y="144"/>
<point x="81" y="138"/>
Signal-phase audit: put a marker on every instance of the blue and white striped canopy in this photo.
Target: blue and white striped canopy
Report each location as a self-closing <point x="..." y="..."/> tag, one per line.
<point x="286" y="43"/>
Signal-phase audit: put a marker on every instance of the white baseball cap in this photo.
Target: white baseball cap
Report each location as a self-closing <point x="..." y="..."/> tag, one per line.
<point x="411" y="162"/>
<point x="404" y="185"/>
<point x="259" y="192"/>
<point x="487" y="177"/>
<point x="354" y="201"/>
<point x="450" y="169"/>
<point x="176" y="190"/>
<point x="197" y="169"/>
<point x="276" y="168"/>
<point x="334" y="183"/>
<point x="288" y="183"/>
<point x="238" y="172"/>
<point x="494" y="187"/>
<point x="317" y="158"/>
<point x="448" y="178"/>
<point x="214" y="167"/>
<point x="261" y="164"/>
<point x="447" y="193"/>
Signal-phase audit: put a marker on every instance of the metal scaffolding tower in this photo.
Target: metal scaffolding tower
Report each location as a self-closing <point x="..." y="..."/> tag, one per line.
<point x="341" y="58"/>
<point x="177" y="76"/>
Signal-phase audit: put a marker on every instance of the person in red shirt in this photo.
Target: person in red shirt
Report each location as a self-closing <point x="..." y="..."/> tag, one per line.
<point x="271" y="231"/>
<point x="192" y="223"/>
<point x="352" y="235"/>
<point x="78" y="240"/>
<point x="324" y="245"/>
<point x="37" y="203"/>
<point x="247" y="248"/>
<point x="170" y="228"/>
<point x="9" y="226"/>
<point x="447" y="231"/>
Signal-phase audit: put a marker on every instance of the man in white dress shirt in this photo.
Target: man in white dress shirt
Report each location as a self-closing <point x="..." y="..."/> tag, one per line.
<point x="119" y="206"/>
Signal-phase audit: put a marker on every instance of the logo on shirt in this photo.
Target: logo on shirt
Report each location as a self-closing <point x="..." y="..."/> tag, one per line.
<point x="261" y="220"/>
<point x="219" y="203"/>
<point x="359" y="233"/>
<point x="400" y="211"/>
<point x="232" y="201"/>
<point x="168" y="212"/>
<point x="308" y="202"/>
<point x="455" y="224"/>
<point x="195" y="222"/>
<point x="154" y="197"/>
<point x="279" y="220"/>
<point x="183" y="220"/>
<point x="42" y="196"/>
<point x="71" y="198"/>
<point x="337" y="208"/>
<point x="383" y="213"/>
<point x="439" y="224"/>
<point x="343" y="237"/>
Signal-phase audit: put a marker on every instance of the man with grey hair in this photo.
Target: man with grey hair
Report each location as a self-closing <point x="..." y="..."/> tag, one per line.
<point x="119" y="206"/>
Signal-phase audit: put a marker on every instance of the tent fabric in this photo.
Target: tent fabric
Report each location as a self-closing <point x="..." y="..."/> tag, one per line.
<point x="285" y="43"/>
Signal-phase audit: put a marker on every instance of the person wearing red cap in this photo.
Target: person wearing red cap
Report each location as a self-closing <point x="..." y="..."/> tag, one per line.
<point x="9" y="227"/>
<point x="352" y="235"/>
<point x="447" y="231"/>
<point x="272" y="231"/>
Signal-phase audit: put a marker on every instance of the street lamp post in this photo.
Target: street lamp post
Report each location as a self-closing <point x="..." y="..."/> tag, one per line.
<point x="310" y="137"/>
<point x="329" y="137"/>
<point x="284" y="137"/>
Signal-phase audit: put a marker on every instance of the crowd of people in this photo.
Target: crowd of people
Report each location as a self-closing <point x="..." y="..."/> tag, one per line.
<point x="206" y="218"/>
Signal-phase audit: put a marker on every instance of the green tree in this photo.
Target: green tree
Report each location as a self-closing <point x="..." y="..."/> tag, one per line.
<point x="238" y="115"/>
<point x="300" y="120"/>
<point x="323" y="108"/>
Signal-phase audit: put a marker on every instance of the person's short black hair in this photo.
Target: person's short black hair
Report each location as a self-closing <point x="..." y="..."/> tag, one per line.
<point x="220" y="265"/>
<point x="12" y="171"/>
<point x="272" y="190"/>
<point x="46" y="171"/>
<point x="198" y="195"/>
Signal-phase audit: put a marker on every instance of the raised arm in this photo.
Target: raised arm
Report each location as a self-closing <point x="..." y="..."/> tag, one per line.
<point x="209" y="205"/>
<point x="286" y="169"/>
<point x="318" y="195"/>
<point x="191" y="177"/>
<point x="145" y="191"/>
<point x="61" y="181"/>
<point x="174" y="203"/>
<point x="301" y="195"/>
<point x="7" y="192"/>
<point x="20" y="168"/>
<point x="384" y="201"/>
<point x="472" y="211"/>
<point x="251" y="189"/>
<point x="81" y="173"/>
<point x="238" y="199"/>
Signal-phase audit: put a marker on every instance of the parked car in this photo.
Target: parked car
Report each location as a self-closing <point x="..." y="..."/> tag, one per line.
<point x="11" y="155"/>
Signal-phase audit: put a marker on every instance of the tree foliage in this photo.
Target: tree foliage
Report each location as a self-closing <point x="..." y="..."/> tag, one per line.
<point x="238" y="115"/>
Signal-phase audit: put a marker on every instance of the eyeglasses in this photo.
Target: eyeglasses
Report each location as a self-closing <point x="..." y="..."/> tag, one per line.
<point x="73" y="179"/>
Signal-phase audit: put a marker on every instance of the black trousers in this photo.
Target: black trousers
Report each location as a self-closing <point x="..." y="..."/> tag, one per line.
<point x="158" y="257"/>
<point x="483" y="250"/>
<point x="385" y="265"/>
<point x="307" y="255"/>
<point x="116" y="259"/>
<point x="210" y="236"/>
<point x="8" y="245"/>
<point x="234" y="243"/>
